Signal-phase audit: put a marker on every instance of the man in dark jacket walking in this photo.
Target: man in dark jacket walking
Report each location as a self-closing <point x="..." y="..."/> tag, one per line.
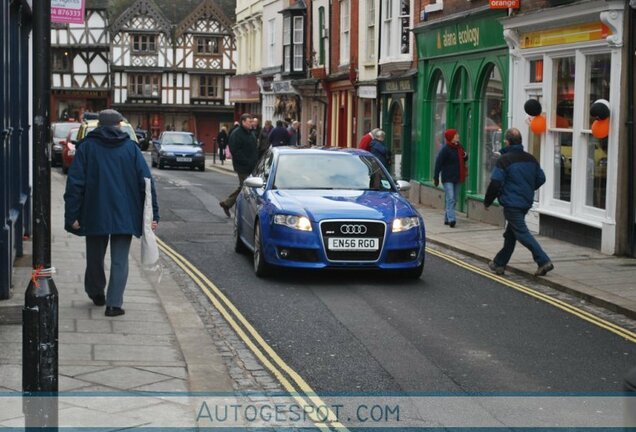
<point x="279" y="135"/>
<point x="104" y="201"/>
<point x="515" y="178"/>
<point x="244" y="157"/>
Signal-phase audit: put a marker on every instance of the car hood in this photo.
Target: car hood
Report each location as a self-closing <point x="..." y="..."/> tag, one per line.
<point x="329" y="204"/>
<point x="181" y="149"/>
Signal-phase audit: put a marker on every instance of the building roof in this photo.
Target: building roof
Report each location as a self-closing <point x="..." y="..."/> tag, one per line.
<point x="173" y="10"/>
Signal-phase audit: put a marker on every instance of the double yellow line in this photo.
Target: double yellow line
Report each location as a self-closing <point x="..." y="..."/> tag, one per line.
<point x="584" y="315"/>
<point x="289" y="378"/>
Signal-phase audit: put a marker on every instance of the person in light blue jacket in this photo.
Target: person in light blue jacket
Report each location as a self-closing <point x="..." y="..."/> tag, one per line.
<point x="104" y="201"/>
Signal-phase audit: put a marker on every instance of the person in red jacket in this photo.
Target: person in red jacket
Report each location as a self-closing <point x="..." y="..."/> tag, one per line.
<point x="365" y="142"/>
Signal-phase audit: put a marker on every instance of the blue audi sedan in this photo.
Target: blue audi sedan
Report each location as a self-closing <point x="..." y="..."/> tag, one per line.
<point x="327" y="208"/>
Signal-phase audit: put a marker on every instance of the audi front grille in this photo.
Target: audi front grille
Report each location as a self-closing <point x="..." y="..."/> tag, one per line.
<point x="352" y="229"/>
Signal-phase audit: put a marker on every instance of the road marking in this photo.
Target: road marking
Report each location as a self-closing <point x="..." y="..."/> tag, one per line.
<point x="230" y="312"/>
<point x="584" y="315"/>
<point x="220" y="170"/>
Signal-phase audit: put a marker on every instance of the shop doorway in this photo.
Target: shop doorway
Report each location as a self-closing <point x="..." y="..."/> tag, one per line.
<point x="461" y="119"/>
<point x="395" y="136"/>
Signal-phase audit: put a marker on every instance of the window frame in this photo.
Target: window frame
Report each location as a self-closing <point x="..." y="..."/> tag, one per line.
<point x="138" y="81"/>
<point x="143" y="43"/>
<point x="345" y="32"/>
<point x="211" y="53"/>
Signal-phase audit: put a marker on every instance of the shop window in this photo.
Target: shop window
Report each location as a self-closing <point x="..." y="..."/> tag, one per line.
<point x="491" y="127"/>
<point x="440" y="99"/>
<point x="598" y="69"/>
<point x="564" y="70"/>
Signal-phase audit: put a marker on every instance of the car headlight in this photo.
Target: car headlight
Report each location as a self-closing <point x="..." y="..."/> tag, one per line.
<point x="405" y="223"/>
<point x="199" y="154"/>
<point x="300" y="223"/>
<point x="165" y="153"/>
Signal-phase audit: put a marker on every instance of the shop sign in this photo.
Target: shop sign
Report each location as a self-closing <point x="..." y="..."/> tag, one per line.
<point x="244" y="89"/>
<point x="504" y="4"/>
<point x="368" y="92"/>
<point x="461" y="37"/>
<point x="565" y="35"/>
<point x="67" y="11"/>
<point x="397" y="86"/>
<point x="282" y="87"/>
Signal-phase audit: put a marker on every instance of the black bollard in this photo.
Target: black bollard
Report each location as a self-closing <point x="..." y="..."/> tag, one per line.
<point x="40" y="353"/>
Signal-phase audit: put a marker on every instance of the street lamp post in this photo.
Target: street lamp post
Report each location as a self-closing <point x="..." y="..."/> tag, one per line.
<point x="40" y="312"/>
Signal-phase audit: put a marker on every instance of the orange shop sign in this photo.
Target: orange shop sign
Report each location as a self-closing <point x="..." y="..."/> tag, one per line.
<point x="565" y="35"/>
<point x="504" y="4"/>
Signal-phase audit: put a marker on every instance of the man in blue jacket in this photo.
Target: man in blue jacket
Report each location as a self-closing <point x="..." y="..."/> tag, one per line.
<point x="515" y="178"/>
<point x="104" y="201"/>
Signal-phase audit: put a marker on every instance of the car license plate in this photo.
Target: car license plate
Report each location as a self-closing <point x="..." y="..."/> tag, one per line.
<point x="184" y="159"/>
<point x="354" y="244"/>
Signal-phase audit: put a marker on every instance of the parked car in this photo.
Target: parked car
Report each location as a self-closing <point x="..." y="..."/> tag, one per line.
<point x="68" y="152"/>
<point x="177" y="149"/>
<point x="327" y="208"/>
<point x="59" y="132"/>
<point x="88" y="125"/>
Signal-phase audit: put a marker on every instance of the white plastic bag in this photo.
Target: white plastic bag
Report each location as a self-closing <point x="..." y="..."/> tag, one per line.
<point x="149" y="249"/>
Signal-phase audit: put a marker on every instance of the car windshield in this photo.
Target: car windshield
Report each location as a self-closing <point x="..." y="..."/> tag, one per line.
<point x="177" y="139"/>
<point x="61" y="130"/>
<point x="330" y="171"/>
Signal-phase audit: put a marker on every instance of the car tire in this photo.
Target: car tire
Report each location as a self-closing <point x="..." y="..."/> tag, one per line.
<point x="261" y="268"/>
<point x="202" y="167"/>
<point x="161" y="165"/>
<point x="414" y="273"/>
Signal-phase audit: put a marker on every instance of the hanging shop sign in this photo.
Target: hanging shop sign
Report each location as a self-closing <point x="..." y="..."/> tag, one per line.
<point x="465" y="36"/>
<point x="504" y="4"/>
<point x="368" y="92"/>
<point x="67" y="11"/>
<point x="565" y="35"/>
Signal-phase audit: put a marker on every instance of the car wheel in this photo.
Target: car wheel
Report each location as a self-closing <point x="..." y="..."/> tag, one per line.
<point x="415" y="272"/>
<point x="261" y="268"/>
<point x="202" y="167"/>
<point x="161" y="165"/>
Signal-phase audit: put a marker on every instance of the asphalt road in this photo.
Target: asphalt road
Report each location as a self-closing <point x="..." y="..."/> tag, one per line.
<point x="451" y="331"/>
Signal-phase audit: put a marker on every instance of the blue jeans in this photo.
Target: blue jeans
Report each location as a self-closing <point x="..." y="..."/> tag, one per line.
<point x="95" y="278"/>
<point x="517" y="230"/>
<point x="451" y="191"/>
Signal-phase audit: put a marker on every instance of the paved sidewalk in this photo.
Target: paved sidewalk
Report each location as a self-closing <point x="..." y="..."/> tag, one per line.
<point x="605" y="280"/>
<point x="159" y="345"/>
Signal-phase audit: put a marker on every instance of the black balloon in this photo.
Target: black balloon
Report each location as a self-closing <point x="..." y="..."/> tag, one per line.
<point x="532" y="107"/>
<point x="600" y="109"/>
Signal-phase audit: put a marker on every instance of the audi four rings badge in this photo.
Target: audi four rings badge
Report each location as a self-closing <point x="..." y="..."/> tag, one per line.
<point x="353" y="229"/>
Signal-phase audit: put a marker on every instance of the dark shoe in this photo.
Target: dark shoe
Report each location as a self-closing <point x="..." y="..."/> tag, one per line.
<point x="98" y="300"/>
<point x="112" y="311"/>
<point x="495" y="268"/>
<point x="544" y="269"/>
<point x="452" y="224"/>
<point x="446" y="222"/>
<point x="226" y="209"/>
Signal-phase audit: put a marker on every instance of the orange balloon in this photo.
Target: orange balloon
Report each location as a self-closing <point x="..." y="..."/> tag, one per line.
<point x="600" y="128"/>
<point x="538" y="125"/>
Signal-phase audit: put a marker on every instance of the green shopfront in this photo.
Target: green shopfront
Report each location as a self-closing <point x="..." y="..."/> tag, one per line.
<point x="463" y="85"/>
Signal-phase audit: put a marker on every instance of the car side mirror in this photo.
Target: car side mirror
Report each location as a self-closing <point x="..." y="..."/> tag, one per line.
<point x="403" y="186"/>
<point x="254" y="182"/>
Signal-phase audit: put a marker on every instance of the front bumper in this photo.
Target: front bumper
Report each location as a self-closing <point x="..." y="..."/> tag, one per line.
<point x="288" y="247"/>
<point x="177" y="161"/>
